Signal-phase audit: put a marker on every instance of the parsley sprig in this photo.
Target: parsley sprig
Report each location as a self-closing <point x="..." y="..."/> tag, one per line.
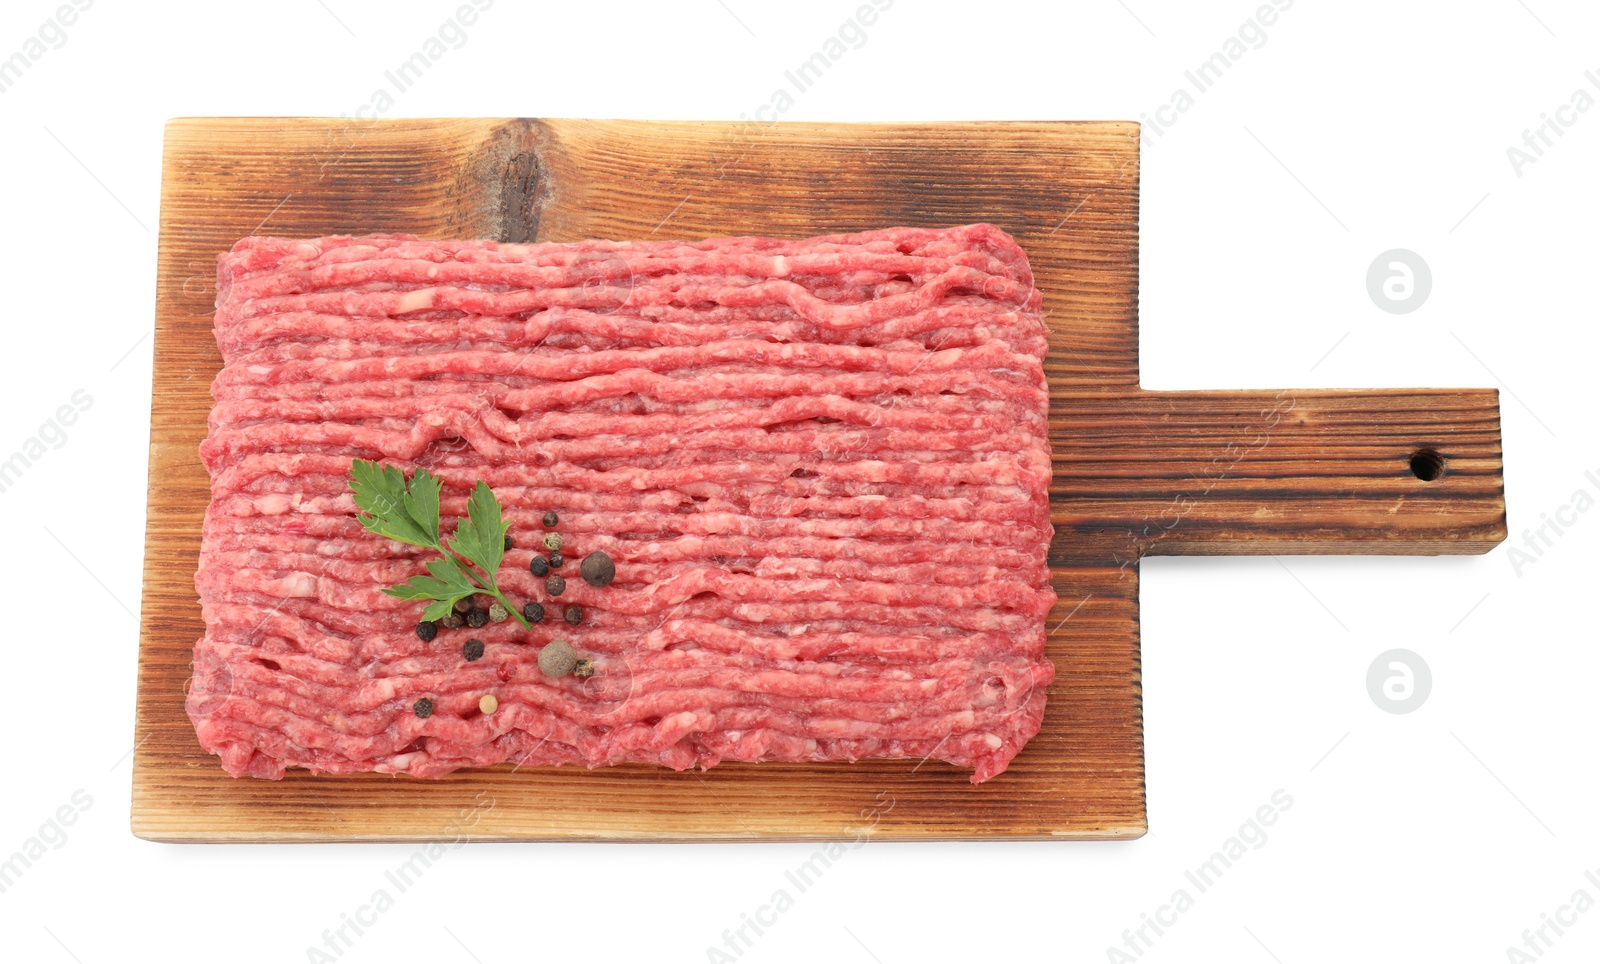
<point x="409" y="513"/>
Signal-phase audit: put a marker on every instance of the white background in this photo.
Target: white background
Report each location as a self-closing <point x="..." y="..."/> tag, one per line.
<point x="1357" y="127"/>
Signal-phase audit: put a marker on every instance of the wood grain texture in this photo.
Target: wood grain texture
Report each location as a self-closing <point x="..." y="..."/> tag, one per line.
<point x="1136" y="472"/>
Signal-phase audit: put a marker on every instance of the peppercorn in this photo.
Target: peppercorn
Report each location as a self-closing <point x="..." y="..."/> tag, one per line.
<point x="423" y="707"/>
<point x="555" y="585"/>
<point x="426" y="630"/>
<point x="573" y="615"/>
<point x="557" y="659"/>
<point x="539" y="566"/>
<point x="552" y="541"/>
<point x="453" y="621"/>
<point x="533" y="613"/>
<point x="550" y="520"/>
<point x="508" y="540"/>
<point x="488" y="704"/>
<point x="497" y="613"/>
<point x="473" y="650"/>
<point x="583" y="669"/>
<point x="463" y="604"/>
<point x="477" y="617"/>
<point x="598" y="569"/>
<point x="506" y="671"/>
<point x="557" y="560"/>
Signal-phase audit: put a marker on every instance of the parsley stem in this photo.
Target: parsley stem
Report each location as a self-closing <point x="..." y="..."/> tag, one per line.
<point x="488" y="585"/>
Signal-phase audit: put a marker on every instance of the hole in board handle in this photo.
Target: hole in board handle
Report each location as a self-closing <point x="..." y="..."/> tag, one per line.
<point x="1427" y="464"/>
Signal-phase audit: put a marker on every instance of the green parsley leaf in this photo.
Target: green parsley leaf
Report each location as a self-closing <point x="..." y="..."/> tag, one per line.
<point x="446" y="581"/>
<point x="409" y="513"/>
<point x="380" y="493"/>
<point x="481" y="536"/>
<point x="438" y="610"/>
<point x="422" y="502"/>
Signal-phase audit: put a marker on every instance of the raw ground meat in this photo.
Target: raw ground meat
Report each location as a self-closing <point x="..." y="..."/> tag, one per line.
<point x="821" y="468"/>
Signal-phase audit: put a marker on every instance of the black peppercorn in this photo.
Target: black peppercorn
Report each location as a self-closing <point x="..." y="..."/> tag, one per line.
<point x="573" y="615"/>
<point x="463" y="604"/>
<point x="508" y="540"/>
<point x="539" y="566"/>
<point x="473" y="650"/>
<point x="453" y="621"/>
<point x="533" y="613"/>
<point x="550" y="520"/>
<point x="555" y="585"/>
<point x="423" y="707"/>
<point x="427" y="630"/>
<point x="557" y="560"/>
<point x="598" y="569"/>
<point x="477" y="617"/>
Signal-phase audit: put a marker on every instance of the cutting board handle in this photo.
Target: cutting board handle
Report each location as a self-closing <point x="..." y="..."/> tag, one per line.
<point x="1401" y="471"/>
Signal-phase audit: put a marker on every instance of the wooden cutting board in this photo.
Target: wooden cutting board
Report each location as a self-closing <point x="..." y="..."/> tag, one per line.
<point x="1136" y="472"/>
